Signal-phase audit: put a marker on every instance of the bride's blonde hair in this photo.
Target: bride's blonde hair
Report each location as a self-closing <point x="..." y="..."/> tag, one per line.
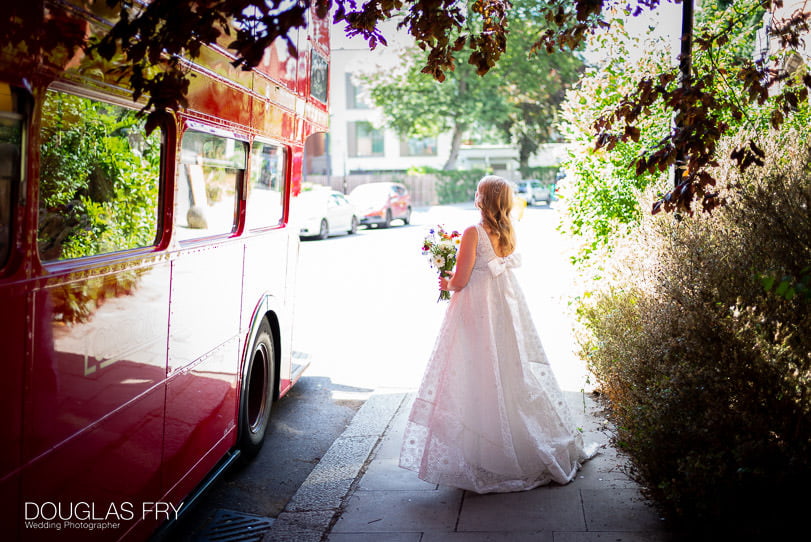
<point x="495" y="203"/>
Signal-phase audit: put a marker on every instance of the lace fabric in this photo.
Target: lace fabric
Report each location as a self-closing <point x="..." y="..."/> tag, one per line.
<point x="489" y="415"/>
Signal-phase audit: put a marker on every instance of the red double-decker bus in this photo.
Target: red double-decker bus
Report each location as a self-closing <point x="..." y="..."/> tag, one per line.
<point x="145" y="279"/>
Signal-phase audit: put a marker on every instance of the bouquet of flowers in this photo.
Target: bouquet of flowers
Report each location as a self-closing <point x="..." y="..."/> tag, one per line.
<point x="440" y="247"/>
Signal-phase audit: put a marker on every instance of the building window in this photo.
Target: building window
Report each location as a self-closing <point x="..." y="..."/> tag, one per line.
<point x="99" y="179"/>
<point x="365" y="139"/>
<point x="355" y="95"/>
<point x="418" y="146"/>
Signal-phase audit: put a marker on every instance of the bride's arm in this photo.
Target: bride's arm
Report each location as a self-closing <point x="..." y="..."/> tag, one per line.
<point x="465" y="259"/>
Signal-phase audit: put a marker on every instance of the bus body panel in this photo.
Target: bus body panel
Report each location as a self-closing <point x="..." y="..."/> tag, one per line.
<point x="279" y="65"/>
<point x="94" y="390"/>
<point x="219" y="99"/>
<point x="204" y="347"/>
<point x="99" y="343"/>
<point x="266" y="255"/>
<point x="13" y="323"/>
<point x="273" y="121"/>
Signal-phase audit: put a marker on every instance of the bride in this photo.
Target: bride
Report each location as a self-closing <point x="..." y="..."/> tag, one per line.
<point x="489" y="415"/>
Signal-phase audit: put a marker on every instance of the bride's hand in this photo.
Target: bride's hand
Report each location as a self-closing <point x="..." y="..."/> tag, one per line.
<point x="444" y="280"/>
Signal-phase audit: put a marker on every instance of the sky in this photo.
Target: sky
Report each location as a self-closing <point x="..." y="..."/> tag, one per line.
<point x="665" y="21"/>
<point x="666" y="18"/>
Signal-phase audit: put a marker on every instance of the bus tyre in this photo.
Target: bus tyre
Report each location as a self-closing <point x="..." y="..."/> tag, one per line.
<point x="257" y="392"/>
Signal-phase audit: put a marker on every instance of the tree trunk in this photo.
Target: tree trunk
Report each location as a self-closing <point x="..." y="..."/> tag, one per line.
<point x="526" y="148"/>
<point x="458" y="131"/>
<point x="456" y="143"/>
<point x="523" y="161"/>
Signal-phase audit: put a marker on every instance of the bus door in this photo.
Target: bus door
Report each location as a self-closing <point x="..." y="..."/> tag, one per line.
<point x="204" y="321"/>
<point x="271" y="249"/>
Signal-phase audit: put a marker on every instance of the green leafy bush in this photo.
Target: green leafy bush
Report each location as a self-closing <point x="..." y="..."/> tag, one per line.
<point x="604" y="184"/>
<point x="601" y="188"/>
<point x="456" y="186"/>
<point x="545" y="174"/>
<point x="705" y="355"/>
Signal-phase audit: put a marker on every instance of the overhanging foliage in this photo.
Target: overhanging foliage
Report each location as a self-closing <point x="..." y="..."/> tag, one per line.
<point x="152" y="37"/>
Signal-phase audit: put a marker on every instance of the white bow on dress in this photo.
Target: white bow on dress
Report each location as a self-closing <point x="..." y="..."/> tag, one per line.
<point x="499" y="265"/>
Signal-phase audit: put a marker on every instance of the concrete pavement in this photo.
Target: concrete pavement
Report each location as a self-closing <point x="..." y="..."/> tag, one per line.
<point x="358" y="493"/>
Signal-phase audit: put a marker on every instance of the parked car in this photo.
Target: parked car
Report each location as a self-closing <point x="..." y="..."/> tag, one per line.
<point x="380" y="203"/>
<point x="322" y="212"/>
<point x="519" y="203"/>
<point x="534" y="191"/>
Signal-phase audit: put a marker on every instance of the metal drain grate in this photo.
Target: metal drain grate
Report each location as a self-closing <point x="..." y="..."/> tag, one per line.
<point x="230" y="526"/>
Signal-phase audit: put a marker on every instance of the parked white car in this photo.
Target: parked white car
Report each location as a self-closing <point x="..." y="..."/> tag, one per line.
<point x="322" y="212"/>
<point x="534" y="191"/>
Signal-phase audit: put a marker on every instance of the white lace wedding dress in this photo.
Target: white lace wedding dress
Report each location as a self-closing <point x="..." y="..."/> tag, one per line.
<point x="489" y="415"/>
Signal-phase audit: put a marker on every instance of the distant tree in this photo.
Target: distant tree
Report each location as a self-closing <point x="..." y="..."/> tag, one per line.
<point x="534" y="83"/>
<point x="417" y="105"/>
<point x="518" y="99"/>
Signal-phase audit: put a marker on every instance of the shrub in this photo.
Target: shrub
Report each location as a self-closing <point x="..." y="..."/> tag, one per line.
<point x="456" y="186"/>
<point x="705" y="357"/>
<point x="545" y="174"/>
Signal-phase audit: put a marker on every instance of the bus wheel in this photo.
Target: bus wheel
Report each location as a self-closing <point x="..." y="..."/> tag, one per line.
<point x="257" y="392"/>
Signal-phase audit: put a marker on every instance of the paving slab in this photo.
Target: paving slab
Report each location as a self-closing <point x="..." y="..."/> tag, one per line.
<point x="392" y="441"/>
<point x="400" y="511"/>
<point x="547" y="508"/>
<point x="609" y="536"/>
<point x="375" y="537"/>
<point x="299" y="526"/>
<point x="386" y="475"/>
<point x="618" y="509"/>
<point x="606" y="470"/>
<point x="509" y="536"/>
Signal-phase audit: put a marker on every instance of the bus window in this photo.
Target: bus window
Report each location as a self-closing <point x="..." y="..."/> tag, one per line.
<point x="211" y="170"/>
<point x="99" y="179"/>
<point x="10" y="144"/>
<point x="266" y="189"/>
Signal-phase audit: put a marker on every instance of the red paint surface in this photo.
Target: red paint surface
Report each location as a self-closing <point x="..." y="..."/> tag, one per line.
<point x="133" y="396"/>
